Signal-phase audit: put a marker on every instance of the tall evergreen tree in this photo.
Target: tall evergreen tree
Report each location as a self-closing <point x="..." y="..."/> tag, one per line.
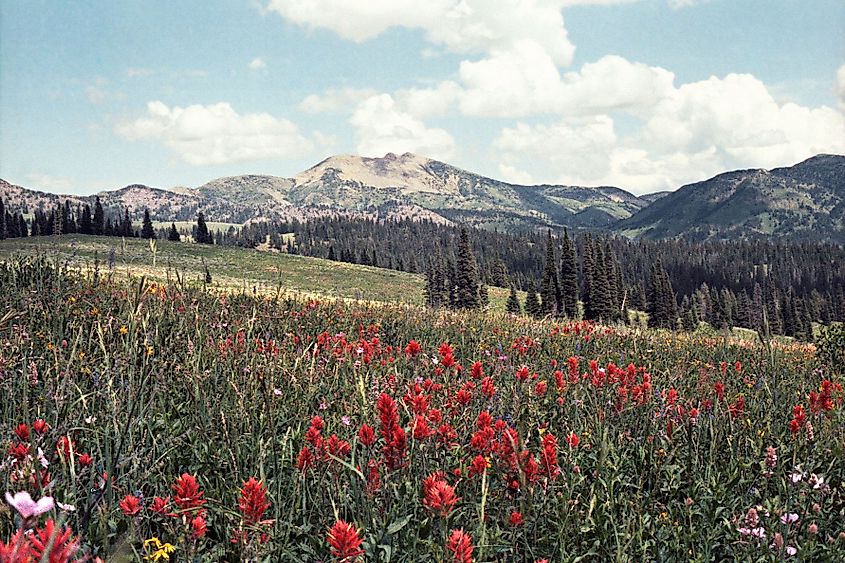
<point x="202" y="235"/>
<point x="513" y="305"/>
<point x="569" y="278"/>
<point x="467" y="275"/>
<point x="549" y="287"/>
<point x="126" y="229"/>
<point x="532" y="302"/>
<point x="588" y="273"/>
<point x="662" y="307"/>
<point x="147" y="230"/>
<point x="173" y="235"/>
<point x="86" y="226"/>
<point x="99" y="222"/>
<point x="2" y="219"/>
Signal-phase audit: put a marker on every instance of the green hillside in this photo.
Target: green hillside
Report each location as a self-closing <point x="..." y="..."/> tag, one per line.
<point x="231" y="268"/>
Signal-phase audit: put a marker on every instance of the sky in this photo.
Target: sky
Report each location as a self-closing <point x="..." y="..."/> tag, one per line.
<point x="646" y="95"/>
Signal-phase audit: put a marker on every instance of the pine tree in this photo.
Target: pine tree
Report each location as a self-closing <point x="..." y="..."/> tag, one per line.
<point x="569" y="278"/>
<point x="202" y="235"/>
<point x="99" y="224"/>
<point x="126" y="229"/>
<point x="588" y="270"/>
<point x="549" y="287"/>
<point x="612" y="305"/>
<point x="532" y="302"/>
<point x="86" y="226"/>
<point x="331" y="255"/>
<point x="2" y="219"/>
<point x="662" y="308"/>
<point x="173" y="235"/>
<point x="466" y="286"/>
<point x="147" y="230"/>
<point x="513" y="305"/>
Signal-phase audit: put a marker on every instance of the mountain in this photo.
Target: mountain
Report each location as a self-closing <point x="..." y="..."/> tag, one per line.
<point x="389" y="187"/>
<point x="801" y="202"/>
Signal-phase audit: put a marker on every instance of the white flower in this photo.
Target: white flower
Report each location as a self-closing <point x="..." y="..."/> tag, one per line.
<point x="27" y="507"/>
<point x="66" y="507"/>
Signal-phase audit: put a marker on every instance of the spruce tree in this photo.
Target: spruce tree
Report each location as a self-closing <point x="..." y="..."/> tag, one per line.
<point x="549" y="287"/>
<point x="173" y="235"/>
<point x="202" y="235"/>
<point x="86" y="226"/>
<point x="588" y="271"/>
<point x="99" y="222"/>
<point x="532" y="302"/>
<point x="147" y="230"/>
<point x="569" y="278"/>
<point x="513" y="305"/>
<point x="126" y="229"/>
<point x="466" y="286"/>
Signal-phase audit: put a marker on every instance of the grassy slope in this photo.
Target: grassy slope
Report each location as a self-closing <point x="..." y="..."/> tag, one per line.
<point x="234" y="268"/>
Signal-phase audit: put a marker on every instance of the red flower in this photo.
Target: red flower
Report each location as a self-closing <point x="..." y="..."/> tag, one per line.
<point x="85" y="460"/>
<point x="159" y="506"/>
<point x="719" y="388"/>
<point x="22" y="432"/>
<point x="53" y="545"/>
<point x="18" y="548"/>
<point x="479" y="464"/>
<point x="366" y="435"/>
<point x="186" y="492"/>
<point x="305" y="459"/>
<point x="445" y="349"/>
<point x="573" y="440"/>
<point x="65" y="447"/>
<point x="18" y="451"/>
<point x="40" y="426"/>
<point x="345" y="541"/>
<point x="540" y="388"/>
<point x="460" y="545"/>
<point x="130" y="505"/>
<point x="516" y="519"/>
<point x="522" y="373"/>
<point x="438" y="495"/>
<point x="199" y="526"/>
<point x="548" y="456"/>
<point x="487" y="387"/>
<point x="476" y="371"/>
<point x="413" y="348"/>
<point x="253" y="501"/>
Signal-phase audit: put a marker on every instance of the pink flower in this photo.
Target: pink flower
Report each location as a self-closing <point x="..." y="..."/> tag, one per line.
<point x="790" y="518"/>
<point x="27" y="507"/>
<point x="791" y="550"/>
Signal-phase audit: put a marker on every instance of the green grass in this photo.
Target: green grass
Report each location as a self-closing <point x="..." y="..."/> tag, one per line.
<point x="233" y="268"/>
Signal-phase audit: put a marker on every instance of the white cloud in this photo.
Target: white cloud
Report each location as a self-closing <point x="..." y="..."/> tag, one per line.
<point x="38" y="180"/>
<point x="381" y="127"/>
<point x="466" y="26"/>
<point x="217" y="134"/>
<point x="342" y="100"/>
<point x="515" y="175"/>
<point x="95" y="95"/>
<point x="688" y="134"/>
<point x="257" y="64"/>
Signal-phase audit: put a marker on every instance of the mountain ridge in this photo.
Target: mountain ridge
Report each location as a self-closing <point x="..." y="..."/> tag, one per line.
<point x="806" y="200"/>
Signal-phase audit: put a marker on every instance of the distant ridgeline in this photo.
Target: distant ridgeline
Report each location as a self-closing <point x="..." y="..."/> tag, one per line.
<point x="757" y="284"/>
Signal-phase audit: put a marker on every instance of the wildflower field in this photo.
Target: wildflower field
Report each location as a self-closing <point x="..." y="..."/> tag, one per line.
<point x="161" y="422"/>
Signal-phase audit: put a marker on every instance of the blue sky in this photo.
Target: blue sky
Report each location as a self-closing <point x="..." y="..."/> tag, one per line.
<point x="645" y="95"/>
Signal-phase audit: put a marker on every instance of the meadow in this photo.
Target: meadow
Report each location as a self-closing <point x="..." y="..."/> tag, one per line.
<point x="166" y="422"/>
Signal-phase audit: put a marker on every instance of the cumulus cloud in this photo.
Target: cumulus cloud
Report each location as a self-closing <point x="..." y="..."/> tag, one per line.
<point x="381" y="127"/>
<point x="468" y="26"/>
<point x="217" y="134"/>
<point x="336" y="100"/>
<point x="687" y="134"/>
<point x="257" y="64"/>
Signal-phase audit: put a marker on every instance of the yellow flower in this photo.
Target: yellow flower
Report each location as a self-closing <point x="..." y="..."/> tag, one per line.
<point x="81" y="355"/>
<point x="150" y="350"/>
<point x="123" y="330"/>
<point x="160" y="550"/>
